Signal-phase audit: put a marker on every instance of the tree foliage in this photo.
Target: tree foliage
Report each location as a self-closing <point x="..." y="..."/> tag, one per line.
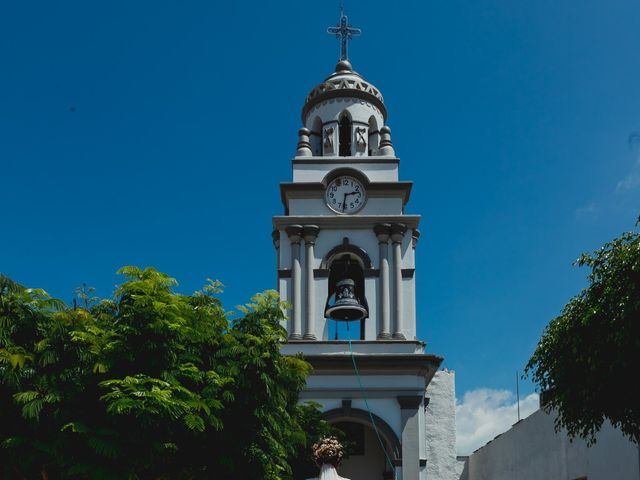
<point x="588" y="357"/>
<point x="148" y="384"/>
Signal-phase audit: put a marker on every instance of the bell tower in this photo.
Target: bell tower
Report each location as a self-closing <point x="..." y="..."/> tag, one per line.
<point x="346" y="254"/>
<point x="344" y="218"/>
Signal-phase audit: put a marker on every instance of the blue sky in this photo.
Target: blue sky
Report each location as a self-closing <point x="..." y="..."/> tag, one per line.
<point x="156" y="133"/>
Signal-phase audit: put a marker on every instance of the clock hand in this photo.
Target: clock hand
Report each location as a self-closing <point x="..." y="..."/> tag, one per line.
<point x="344" y="201"/>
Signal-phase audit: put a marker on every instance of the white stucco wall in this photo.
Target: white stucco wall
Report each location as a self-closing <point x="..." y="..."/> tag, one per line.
<point x="310" y="169"/>
<point x="532" y="450"/>
<point x="440" y="431"/>
<point x="374" y="206"/>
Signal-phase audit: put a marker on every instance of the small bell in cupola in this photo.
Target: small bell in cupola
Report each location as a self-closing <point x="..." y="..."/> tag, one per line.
<point x="346" y="306"/>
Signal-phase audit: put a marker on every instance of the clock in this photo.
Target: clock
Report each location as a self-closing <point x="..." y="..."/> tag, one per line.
<point x="345" y="195"/>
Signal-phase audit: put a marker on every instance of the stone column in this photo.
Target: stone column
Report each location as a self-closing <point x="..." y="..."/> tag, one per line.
<point x="410" y="425"/>
<point x="295" y="234"/>
<point x="310" y="233"/>
<point x="397" y="234"/>
<point x="382" y="232"/>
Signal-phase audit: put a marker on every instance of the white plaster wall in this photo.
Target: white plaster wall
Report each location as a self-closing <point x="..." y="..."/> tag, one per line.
<point x="532" y="450"/>
<point x="388" y="382"/>
<point x="371" y="322"/>
<point x="440" y="428"/>
<point x="309" y="171"/>
<point x="285" y="251"/>
<point x="374" y="206"/>
<point x="330" y="111"/>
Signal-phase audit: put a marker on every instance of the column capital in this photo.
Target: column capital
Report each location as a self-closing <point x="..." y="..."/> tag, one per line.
<point x="382" y="231"/>
<point x="310" y="233"/>
<point x="294" y="232"/>
<point x="414" y="237"/>
<point x="275" y="236"/>
<point x="397" y="232"/>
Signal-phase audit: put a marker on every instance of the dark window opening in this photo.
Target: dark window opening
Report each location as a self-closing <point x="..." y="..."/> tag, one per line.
<point x="354" y="433"/>
<point x="345" y="136"/>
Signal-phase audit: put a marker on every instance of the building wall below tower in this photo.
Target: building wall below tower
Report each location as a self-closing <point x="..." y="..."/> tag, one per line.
<point x="440" y="431"/>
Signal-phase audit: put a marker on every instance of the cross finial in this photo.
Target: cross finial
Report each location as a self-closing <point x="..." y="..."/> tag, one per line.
<point x="344" y="32"/>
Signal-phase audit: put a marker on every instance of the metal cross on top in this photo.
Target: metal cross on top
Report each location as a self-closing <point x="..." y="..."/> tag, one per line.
<point x="344" y="32"/>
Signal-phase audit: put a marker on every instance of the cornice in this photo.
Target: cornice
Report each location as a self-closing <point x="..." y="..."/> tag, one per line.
<point x="289" y="190"/>
<point x="424" y="365"/>
<point x="345" y="221"/>
<point x="344" y="160"/>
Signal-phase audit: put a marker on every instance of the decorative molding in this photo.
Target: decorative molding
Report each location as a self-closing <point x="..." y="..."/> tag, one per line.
<point x="347" y="247"/>
<point x="424" y="365"/>
<point x="321" y="273"/>
<point x="371" y="272"/>
<point x="397" y="232"/>
<point x="361" y="142"/>
<point x="345" y="221"/>
<point x="330" y="159"/>
<point x="408" y="272"/>
<point x="284" y="273"/>
<point x="310" y="233"/>
<point x="409" y="402"/>
<point x="414" y="237"/>
<point x="328" y="139"/>
<point x="346" y="407"/>
<point x="350" y="85"/>
<point x="294" y="232"/>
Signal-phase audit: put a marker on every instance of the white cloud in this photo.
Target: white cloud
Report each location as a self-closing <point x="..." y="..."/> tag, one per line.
<point x="590" y="211"/>
<point x="631" y="181"/>
<point x="485" y="413"/>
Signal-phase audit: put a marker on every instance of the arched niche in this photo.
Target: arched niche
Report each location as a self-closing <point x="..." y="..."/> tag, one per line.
<point x="347" y="261"/>
<point x="345" y="134"/>
<point x="315" y="138"/>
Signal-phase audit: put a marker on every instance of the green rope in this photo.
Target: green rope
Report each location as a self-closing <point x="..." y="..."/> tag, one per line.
<point x="373" y="422"/>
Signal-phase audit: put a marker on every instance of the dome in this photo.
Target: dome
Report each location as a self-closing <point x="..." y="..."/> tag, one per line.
<point x="344" y="82"/>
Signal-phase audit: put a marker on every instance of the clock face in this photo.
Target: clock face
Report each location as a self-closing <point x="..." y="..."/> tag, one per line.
<point x="345" y="195"/>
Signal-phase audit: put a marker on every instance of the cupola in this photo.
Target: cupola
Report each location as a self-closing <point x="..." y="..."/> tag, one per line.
<point x="344" y="116"/>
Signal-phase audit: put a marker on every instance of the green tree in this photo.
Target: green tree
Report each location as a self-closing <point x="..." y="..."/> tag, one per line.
<point x="588" y="357"/>
<point x="148" y="384"/>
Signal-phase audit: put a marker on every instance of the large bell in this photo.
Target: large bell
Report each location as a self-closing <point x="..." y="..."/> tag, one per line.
<point x="347" y="307"/>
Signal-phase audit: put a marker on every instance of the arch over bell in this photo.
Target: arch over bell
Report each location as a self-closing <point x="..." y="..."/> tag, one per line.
<point x="347" y="307"/>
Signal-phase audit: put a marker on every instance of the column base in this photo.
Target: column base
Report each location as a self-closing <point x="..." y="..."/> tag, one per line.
<point x="309" y="336"/>
<point x="295" y="336"/>
<point x="384" y="336"/>
<point x="399" y="336"/>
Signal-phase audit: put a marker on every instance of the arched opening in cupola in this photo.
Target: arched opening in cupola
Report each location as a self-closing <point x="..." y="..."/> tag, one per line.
<point x="315" y="138"/>
<point x="345" y="134"/>
<point x="374" y="136"/>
